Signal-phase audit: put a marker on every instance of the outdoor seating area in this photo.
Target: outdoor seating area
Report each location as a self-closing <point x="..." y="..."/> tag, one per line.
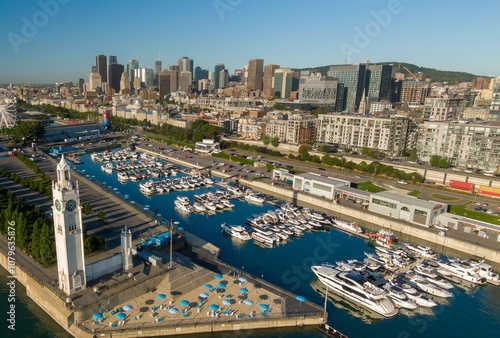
<point x="224" y="297"/>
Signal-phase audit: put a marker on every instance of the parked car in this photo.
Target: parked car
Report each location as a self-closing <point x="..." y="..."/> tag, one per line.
<point x="402" y="182"/>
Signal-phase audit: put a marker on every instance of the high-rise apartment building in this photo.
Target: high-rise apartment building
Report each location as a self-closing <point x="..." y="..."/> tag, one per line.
<point x="388" y="135"/>
<point x="267" y="86"/>
<point x="217" y="69"/>
<point x="352" y="77"/>
<point x="463" y="144"/>
<point x="378" y="83"/>
<point x="101" y="66"/>
<point x="414" y="92"/>
<point x="318" y="89"/>
<point x="443" y="108"/>
<point x="255" y="74"/>
<point x="223" y="78"/>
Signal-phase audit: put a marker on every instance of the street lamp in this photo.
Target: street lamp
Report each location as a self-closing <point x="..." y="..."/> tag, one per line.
<point x="171" y="240"/>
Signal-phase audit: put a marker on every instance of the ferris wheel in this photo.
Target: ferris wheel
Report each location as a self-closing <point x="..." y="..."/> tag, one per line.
<point x="7" y="109"/>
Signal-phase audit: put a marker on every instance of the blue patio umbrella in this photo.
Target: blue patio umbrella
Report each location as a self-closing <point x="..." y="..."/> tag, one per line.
<point x="97" y="315"/>
<point x="126" y="196"/>
<point x="184" y="302"/>
<point x="164" y="222"/>
<point x="264" y="306"/>
<point x="180" y="229"/>
<point x="104" y="183"/>
<point x="110" y="187"/>
<point x="218" y="277"/>
<point x="214" y="307"/>
<point x="121" y="315"/>
<point x="243" y="290"/>
<point x="161" y="296"/>
<point x="115" y="189"/>
<point x="204" y="295"/>
<point x="226" y="302"/>
<point x="221" y="286"/>
<point x="127" y="308"/>
<point x="247" y="302"/>
<point x="300" y="298"/>
<point x="208" y="286"/>
<point x="242" y="279"/>
<point x="158" y="215"/>
<point x="173" y="310"/>
<point x="147" y="206"/>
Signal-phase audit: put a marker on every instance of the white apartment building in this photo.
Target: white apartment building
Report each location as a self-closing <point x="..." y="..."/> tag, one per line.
<point x="298" y="129"/>
<point x="473" y="145"/>
<point x="388" y="135"/>
<point x="443" y="108"/>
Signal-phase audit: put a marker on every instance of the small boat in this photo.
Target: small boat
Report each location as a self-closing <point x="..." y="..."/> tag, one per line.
<point x="399" y="297"/>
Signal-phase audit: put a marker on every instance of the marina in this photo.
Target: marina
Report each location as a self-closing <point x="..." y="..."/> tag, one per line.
<point x="290" y="272"/>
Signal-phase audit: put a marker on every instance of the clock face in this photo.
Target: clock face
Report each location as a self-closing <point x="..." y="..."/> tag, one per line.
<point x="58" y="205"/>
<point x="71" y="205"/>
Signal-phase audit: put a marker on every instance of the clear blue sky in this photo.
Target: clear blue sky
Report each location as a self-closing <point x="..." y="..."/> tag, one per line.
<point x="444" y="34"/>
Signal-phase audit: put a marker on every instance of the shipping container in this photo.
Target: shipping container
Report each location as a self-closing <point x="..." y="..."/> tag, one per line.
<point x="489" y="191"/>
<point x="459" y="185"/>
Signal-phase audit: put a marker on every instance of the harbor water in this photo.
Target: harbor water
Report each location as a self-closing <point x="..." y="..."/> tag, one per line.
<point x="471" y="312"/>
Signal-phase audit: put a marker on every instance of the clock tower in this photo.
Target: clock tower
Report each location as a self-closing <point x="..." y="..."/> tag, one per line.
<point x="68" y="231"/>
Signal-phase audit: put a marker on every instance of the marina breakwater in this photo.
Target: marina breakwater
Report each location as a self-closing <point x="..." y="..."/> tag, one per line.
<point x="367" y="218"/>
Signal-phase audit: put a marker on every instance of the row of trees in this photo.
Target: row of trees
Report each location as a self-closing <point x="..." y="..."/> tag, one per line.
<point x="274" y="141"/>
<point x="33" y="231"/>
<point x="61" y="112"/>
<point x="27" y="130"/>
<point x="248" y="147"/>
<point x="198" y="131"/>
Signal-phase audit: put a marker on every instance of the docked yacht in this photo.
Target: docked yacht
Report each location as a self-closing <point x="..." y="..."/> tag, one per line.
<point x="348" y="226"/>
<point x="236" y="231"/>
<point x="423" y="284"/>
<point x="198" y="207"/>
<point x="461" y="270"/>
<point x="253" y="198"/>
<point x="429" y="274"/>
<point x="422" y="251"/>
<point x="486" y="271"/>
<point x="351" y="286"/>
<point x="399" y="297"/>
<point x="107" y="168"/>
<point x="263" y="238"/>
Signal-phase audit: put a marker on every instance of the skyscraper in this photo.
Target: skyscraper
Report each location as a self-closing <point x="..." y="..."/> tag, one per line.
<point x="114" y="76"/>
<point x="174" y="78"/>
<point x="131" y="66"/>
<point x="157" y="72"/>
<point x="353" y="79"/>
<point x="218" y="68"/>
<point x="101" y="66"/>
<point x="125" y="84"/>
<point x="164" y="83"/>
<point x="283" y="82"/>
<point x="255" y="74"/>
<point x="185" y="64"/>
<point x="268" y="80"/>
<point x="185" y="81"/>
<point x="112" y="60"/>
<point x="223" y="78"/>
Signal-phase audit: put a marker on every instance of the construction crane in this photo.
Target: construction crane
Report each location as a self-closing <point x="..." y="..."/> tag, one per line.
<point x="409" y="72"/>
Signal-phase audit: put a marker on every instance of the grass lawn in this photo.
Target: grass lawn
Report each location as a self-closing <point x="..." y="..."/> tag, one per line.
<point x="414" y="193"/>
<point x="369" y="186"/>
<point x="480" y="216"/>
<point x="444" y="197"/>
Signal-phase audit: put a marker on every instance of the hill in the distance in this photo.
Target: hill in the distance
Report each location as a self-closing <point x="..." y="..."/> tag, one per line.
<point x="450" y="77"/>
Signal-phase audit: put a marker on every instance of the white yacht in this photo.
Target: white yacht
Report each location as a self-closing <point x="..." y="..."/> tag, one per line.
<point x="198" y="207"/>
<point x="461" y="270"/>
<point x="422" y="251"/>
<point x="429" y="274"/>
<point x="351" y="286"/>
<point x="123" y="176"/>
<point x="423" y="284"/>
<point x="399" y="297"/>
<point x="486" y="271"/>
<point x="253" y="198"/>
<point x="260" y="237"/>
<point x="348" y="226"/>
<point x="421" y="300"/>
<point x="236" y="231"/>
<point x="107" y="168"/>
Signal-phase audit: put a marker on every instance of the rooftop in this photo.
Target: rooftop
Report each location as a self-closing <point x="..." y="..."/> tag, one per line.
<point x="405" y="199"/>
<point x="323" y="179"/>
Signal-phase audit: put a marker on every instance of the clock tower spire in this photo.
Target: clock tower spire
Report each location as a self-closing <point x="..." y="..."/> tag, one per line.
<point x="68" y="231"/>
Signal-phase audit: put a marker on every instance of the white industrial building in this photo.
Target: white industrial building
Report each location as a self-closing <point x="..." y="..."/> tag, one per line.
<point x="318" y="185"/>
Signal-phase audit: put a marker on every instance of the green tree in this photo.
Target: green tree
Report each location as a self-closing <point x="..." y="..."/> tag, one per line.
<point x="275" y="141"/>
<point x="101" y="216"/>
<point x="45" y="245"/>
<point x="266" y="139"/>
<point x="22" y="232"/>
<point x="86" y="208"/>
<point x="304" y="150"/>
<point x="35" y="238"/>
<point x="413" y="156"/>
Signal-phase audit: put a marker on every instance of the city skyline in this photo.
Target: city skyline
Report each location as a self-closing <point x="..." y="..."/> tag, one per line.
<point x="57" y="40"/>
